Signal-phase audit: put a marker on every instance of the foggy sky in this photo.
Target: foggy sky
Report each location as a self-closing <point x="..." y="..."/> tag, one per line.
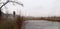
<point x="36" y="8"/>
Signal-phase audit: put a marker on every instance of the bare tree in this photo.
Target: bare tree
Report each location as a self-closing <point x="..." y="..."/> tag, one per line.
<point x="6" y="3"/>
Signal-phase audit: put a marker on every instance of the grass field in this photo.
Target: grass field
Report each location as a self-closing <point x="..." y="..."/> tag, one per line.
<point x="15" y="22"/>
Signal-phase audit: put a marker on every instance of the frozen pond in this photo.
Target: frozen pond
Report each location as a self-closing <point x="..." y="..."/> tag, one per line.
<point x="40" y="24"/>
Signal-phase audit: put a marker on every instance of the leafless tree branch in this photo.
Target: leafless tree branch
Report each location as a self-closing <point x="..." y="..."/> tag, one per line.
<point x="16" y="2"/>
<point x="4" y="4"/>
<point x="8" y="2"/>
<point x="12" y="2"/>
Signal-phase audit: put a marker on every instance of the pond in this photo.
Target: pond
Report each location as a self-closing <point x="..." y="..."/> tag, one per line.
<point x="40" y="24"/>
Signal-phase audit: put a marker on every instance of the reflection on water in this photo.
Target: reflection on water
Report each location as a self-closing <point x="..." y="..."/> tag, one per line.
<point x="40" y="24"/>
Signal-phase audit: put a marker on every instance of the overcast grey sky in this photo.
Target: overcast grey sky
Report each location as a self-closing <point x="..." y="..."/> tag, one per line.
<point x="37" y="8"/>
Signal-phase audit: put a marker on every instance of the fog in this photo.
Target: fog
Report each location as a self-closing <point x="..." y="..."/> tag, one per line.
<point x="36" y="8"/>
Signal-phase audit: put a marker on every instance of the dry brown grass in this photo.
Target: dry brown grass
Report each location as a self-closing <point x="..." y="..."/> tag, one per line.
<point x="17" y="22"/>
